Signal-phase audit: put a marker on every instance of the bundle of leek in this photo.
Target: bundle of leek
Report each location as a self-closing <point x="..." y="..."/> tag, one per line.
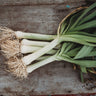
<point x="75" y="42"/>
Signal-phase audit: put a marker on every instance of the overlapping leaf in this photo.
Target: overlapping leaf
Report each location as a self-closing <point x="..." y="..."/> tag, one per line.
<point x="81" y="47"/>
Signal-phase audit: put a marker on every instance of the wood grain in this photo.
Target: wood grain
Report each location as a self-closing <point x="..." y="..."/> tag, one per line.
<point x="39" y="16"/>
<point x="39" y="19"/>
<point x="38" y="2"/>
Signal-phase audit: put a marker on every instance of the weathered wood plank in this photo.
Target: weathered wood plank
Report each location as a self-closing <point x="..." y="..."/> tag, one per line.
<point x="39" y="16"/>
<point x="38" y="2"/>
<point x="39" y="19"/>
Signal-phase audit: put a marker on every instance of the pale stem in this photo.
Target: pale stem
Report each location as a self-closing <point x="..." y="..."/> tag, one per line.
<point x="33" y="67"/>
<point x="31" y="57"/>
<point x="29" y="49"/>
<point x="42" y="58"/>
<point x="36" y="43"/>
<point x="35" y="36"/>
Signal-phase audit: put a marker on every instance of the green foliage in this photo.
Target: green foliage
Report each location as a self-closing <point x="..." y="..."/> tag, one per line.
<point x="81" y="47"/>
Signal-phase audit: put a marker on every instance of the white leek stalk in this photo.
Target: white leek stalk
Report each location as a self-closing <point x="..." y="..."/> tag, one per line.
<point x="33" y="67"/>
<point x="35" y="36"/>
<point x="29" y="49"/>
<point x="31" y="57"/>
<point x="36" y="43"/>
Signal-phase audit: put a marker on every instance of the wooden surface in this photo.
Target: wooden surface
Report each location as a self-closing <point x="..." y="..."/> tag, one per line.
<point x="40" y="2"/>
<point x="40" y="16"/>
